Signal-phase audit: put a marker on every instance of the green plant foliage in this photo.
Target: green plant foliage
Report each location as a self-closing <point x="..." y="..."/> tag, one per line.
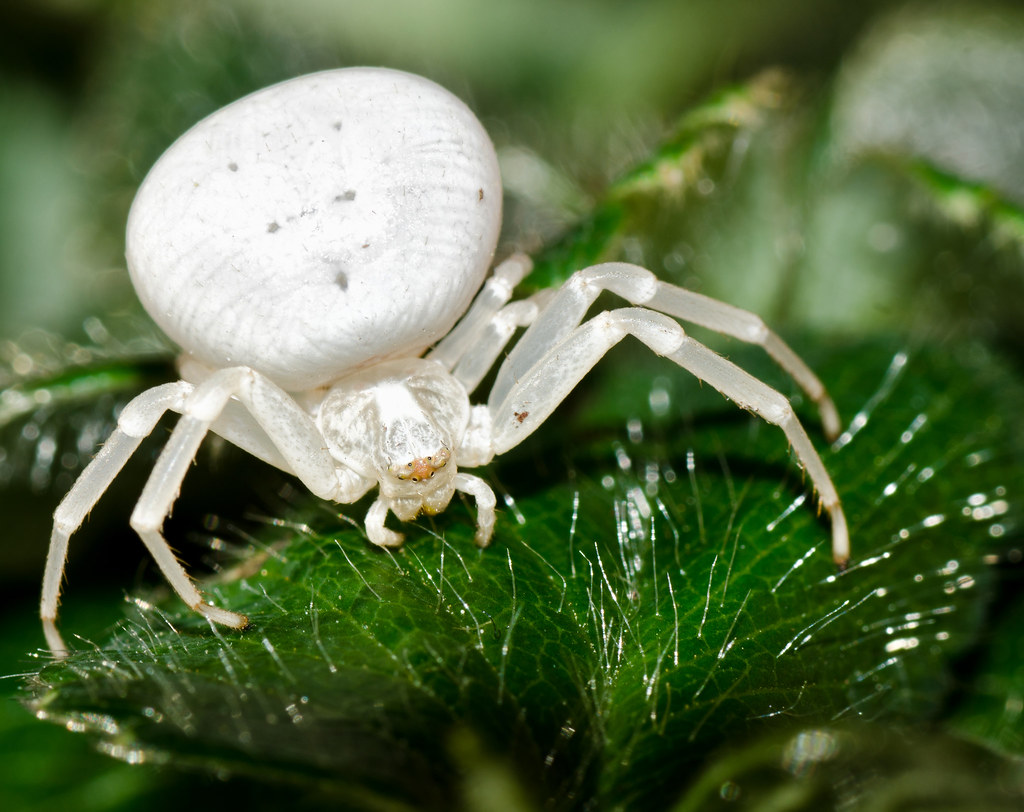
<point x="658" y="623"/>
<point x="990" y="712"/>
<point x="871" y="767"/>
<point x="675" y="594"/>
<point x="683" y="169"/>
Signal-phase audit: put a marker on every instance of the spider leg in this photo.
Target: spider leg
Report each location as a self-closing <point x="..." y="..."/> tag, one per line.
<point x="236" y="425"/>
<point x="272" y="426"/>
<point x="283" y="417"/>
<point x="640" y="287"/>
<point x="494" y="337"/>
<point x="254" y="413"/>
<point x="746" y="326"/>
<point x="554" y="374"/>
<point x="291" y="430"/>
<point x="135" y="422"/>
<point x="493" y="296"/>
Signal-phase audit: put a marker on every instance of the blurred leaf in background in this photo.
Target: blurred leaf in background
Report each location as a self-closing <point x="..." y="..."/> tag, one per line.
<point x="657" y="625"/>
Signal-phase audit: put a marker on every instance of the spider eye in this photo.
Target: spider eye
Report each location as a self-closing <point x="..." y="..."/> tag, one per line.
<point x="415" y="479"/>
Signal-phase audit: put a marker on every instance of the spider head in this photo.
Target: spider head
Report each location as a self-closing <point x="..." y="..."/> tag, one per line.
<point x="399" y="423"/>
<point x="419" y="472"/>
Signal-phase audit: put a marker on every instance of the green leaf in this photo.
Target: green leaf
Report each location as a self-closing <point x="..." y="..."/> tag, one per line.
<point x="657" y="624"/>
<point x="990" y="710"/>
<point x="59" y="398"/>
<point x="685" y="168"/>
<point x="863" y="766"/>
<point x="939" y="84"/>
<point x="923" y="118"/>
<point x="676" y="593"/>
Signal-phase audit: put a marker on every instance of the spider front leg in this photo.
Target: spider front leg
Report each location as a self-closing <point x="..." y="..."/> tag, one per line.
<point x="554" y="374"/>
<point x="272" y="416"/>
<point x="282" y="420"/>
<point x="136" y="421"/>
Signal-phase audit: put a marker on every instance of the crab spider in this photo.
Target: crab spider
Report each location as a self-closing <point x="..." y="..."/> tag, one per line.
<point x="306" y="247"/>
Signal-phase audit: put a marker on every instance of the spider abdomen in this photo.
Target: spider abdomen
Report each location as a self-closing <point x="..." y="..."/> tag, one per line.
<point x="318" y="225"/>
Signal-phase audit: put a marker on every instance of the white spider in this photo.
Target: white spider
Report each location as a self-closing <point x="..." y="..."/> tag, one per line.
<point x="305" y="246"/>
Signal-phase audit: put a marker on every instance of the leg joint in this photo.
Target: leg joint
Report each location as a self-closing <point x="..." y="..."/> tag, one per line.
<point x="659" y="332"/>
<point x="140" y="416"/>
<point x="208" y="399"/>
<point x="777" y="409"/>
<point x="631" y="282"/>
<point x="144" y="521"/>
<point x="756" y="332"/>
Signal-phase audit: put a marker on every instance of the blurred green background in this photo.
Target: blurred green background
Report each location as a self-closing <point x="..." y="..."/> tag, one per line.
<point x="896" y="179"/>
<point x="92" y="92"/>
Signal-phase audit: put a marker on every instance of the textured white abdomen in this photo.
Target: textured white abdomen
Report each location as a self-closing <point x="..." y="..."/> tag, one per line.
<point x="318" y="225"/>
